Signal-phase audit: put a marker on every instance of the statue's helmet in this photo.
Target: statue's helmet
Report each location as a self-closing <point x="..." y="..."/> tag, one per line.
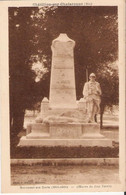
<point x="92" y="75"/>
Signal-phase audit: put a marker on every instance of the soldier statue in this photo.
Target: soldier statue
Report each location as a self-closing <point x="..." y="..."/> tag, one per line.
<point x="92" y="95"/>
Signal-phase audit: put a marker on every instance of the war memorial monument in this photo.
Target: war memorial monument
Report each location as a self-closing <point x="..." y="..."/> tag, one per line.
<point x="64" y="121"/>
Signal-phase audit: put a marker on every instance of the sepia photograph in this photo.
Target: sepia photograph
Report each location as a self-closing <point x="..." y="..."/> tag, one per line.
<point x="64" y="97"/>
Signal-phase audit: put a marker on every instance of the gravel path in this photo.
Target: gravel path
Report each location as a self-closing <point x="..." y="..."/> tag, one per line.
<point x="38" y="174"/>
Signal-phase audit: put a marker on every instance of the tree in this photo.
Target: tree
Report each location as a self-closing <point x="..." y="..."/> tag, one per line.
<point x="24" y="25"/>
<point x="22" y="85"/>
<point x="109" y="81"/>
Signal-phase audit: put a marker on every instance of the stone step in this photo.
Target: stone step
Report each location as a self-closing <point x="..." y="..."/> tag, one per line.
<point x="64" y="142"/>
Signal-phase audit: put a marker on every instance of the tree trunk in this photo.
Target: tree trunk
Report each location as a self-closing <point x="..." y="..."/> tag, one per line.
<point x="18" y="122"/>
<point x="101" y="115"/>
<point x="11" y="118"/>
<point x="101" y="120"/>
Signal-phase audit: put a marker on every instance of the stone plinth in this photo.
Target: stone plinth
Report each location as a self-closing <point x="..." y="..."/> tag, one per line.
<point x="60" y="134"/>
<point x="91" y="130"/>
<point x="38" y="130"/>
<point x="44" y="107"/>
<point x="62" y="85"/>
<point x="82" y="104"/>
<point x="39" y="127"/>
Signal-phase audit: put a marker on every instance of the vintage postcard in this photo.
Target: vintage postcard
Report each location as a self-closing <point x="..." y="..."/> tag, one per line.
<point x="62" y="66"/>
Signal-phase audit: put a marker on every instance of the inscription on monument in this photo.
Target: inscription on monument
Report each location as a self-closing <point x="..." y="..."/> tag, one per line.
<point x="62" y="86"/>
<point x="63" y="79"/>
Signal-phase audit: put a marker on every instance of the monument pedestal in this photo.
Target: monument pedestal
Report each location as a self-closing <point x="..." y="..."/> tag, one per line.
<point x="59" y="134"/>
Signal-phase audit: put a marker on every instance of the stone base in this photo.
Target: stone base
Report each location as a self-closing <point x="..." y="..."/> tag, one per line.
<point x="64" y="142"/>
<point x="64" y="134"/>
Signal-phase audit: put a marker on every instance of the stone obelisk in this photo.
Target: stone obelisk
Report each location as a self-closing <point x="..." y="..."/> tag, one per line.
<point x="62" y="85"/>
